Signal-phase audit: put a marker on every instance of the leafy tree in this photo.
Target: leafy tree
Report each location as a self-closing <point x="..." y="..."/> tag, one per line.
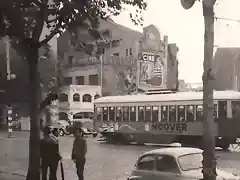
<point x="23" y="21"/>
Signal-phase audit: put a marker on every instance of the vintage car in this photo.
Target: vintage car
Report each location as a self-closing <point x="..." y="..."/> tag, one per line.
<point x="79" y="124"/>
<point x="61" y="126"/>
<point x="176" y="163"/>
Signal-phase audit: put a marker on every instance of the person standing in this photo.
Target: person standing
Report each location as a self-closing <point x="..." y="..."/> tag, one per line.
<point x="50" y="156"/>
<point x="79" y="152"/>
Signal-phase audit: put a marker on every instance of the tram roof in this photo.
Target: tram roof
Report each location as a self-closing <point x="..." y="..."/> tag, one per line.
<point x="179" y="96"/>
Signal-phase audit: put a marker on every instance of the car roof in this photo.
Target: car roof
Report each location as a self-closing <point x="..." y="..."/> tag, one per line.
<point x="174" y="151"/>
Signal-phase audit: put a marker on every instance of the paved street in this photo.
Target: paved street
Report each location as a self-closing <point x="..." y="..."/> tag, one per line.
<point x="104" y="162"/>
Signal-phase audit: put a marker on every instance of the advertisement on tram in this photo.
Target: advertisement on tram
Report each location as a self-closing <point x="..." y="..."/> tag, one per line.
<point x="167" y="118"/>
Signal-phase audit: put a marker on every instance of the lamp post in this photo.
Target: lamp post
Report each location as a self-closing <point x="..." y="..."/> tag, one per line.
<point x="235" y="77"/>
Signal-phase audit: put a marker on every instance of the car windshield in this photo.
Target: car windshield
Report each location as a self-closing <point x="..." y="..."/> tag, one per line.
<point x="190" y="161"/>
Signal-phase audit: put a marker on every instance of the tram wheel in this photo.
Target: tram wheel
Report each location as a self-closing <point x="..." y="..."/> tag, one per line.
<point x="110" y="140"/>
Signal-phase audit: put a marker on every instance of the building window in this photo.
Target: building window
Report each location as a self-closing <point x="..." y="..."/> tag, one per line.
<point x="96" y="96"/>
<point x="115" y="54"/>
<point x="80" y="80"/>
<point x="87" y="98"/>
<point x="130" y="51"/>
<point x="67" y="81"/>
<point x="93" y="79"/>
<point x="63" y="97"/>
<point x="76" y="97"/>
<point x="126" y="52"/>
<point x="115" y="43"/>
<point x="70" y="60"/>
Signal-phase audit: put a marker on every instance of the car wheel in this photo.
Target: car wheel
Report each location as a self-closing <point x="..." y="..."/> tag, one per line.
<point x="61" y="132"/>
<point x="94" y="135"/>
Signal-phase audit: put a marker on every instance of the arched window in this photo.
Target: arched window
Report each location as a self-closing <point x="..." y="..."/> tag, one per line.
<point x="62" y="116"/>
<point x="87" y="98"/>
<point x="96" y="96"/>
<point x="76" y="97"/>
<point x="63" y="97"/>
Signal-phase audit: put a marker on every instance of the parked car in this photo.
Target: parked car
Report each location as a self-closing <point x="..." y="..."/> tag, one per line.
<point x="61" y="127"/>
<point x="176" y="163"/>
<point x="86" y="131"/>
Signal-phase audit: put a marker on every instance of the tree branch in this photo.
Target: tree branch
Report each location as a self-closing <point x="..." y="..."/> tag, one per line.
<point x="40" y="21"/>
<point x="50" y="36"/>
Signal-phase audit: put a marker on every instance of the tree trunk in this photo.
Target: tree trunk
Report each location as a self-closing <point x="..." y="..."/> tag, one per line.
<point x="34" y="142"/>
<point x="209" y="160"/>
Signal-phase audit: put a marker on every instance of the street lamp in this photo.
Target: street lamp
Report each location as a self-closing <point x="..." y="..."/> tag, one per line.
<point x="235" y="77"/>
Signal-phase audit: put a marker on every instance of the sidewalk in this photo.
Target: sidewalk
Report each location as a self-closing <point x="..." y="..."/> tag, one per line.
<point x="8" y="176"/>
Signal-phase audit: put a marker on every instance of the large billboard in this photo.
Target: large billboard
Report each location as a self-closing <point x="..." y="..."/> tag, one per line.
<point x="152" y="60"/>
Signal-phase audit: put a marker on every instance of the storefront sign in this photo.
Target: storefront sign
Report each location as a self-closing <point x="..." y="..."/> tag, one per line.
<point x="170" y="127"/>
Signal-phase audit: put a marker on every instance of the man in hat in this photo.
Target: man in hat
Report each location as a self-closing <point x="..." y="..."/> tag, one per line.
<point x="49" y="151"/>
<point x="79" y="151"/>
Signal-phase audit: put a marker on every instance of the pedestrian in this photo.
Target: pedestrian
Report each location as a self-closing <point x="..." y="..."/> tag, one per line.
<point x="79" y="151"/>
<point x="50" y="156"/>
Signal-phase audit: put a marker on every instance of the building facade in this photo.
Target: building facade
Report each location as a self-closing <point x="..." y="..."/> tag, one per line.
<point x="226" y="66"/>
<point x="118" y="74"/>
<point x="76" y="102"/>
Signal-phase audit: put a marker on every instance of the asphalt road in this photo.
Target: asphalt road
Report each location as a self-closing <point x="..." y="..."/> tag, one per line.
<point x="104" y="161"/>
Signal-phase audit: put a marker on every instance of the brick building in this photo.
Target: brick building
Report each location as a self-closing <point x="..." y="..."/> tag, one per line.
<point x="120" y="59"/>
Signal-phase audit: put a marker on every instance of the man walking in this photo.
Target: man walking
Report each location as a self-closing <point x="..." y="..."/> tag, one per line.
<point x="79" y="151"/>
<point x="49" y="150"/>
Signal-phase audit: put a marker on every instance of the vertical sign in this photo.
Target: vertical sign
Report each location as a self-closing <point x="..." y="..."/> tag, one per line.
<point x="152" y="69"/>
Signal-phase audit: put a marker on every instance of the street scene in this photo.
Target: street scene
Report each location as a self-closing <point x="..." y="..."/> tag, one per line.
<point x="119" y="90"/>
<point x="103" y="161"/>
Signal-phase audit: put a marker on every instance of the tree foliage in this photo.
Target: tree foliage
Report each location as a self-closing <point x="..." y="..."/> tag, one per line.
<point x="23" y="20"/>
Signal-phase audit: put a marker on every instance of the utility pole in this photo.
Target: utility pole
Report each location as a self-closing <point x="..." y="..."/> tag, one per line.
<point x="9" y="78"/>
<point x="209" y="159"/>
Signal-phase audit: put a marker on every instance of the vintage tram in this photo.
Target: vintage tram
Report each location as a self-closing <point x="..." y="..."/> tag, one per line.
<point x="167" y="118"/>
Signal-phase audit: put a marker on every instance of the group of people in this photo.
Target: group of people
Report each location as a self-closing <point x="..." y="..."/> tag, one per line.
<point x="50" y="155"/>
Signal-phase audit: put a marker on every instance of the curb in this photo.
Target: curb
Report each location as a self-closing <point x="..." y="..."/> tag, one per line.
<point x="15" y="173"/>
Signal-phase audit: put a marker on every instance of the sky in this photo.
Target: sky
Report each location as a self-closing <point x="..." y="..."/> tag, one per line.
<point x="186" y="29"/>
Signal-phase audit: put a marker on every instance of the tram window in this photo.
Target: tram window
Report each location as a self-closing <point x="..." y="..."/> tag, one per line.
<point x="111" y="111"/>
<point x="172" y="113"/>
<point x="133" y="114"/>
<point x="215" y="111"/>
<point x="119" y="114"/>
<point x="148" y="114"/>
<point x="164" y="113"/>
<point x="99" y="114"/>
<point x="222" y="109"/>
<point x="199" y="112"/>
<point x="155" y="114"/>
<point x="141" y="114"/>
<point x="190" y="113"/>
<point x="181" y="113"/>
<point x="105" y="114"/>
<point x="125" y="113"/>
<point x="236" y="109"/>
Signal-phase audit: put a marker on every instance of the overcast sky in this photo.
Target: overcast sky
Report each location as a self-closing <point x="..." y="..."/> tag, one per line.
<point x="186" y="28"/>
